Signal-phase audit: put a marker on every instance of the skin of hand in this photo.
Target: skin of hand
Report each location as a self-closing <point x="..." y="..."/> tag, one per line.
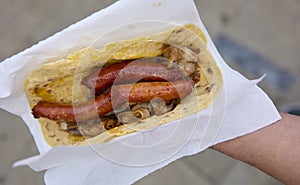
<point x="274" y="149"/>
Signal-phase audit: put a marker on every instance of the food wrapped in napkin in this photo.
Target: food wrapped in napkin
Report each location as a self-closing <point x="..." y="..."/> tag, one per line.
<point x="226" y="105"/>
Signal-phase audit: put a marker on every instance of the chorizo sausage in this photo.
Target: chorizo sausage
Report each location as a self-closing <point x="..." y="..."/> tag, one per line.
<point x="118" y="95"/>
<point x="130" y="71"/>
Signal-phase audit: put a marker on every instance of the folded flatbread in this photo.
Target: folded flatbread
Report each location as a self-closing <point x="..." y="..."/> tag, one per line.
<point x="61" y="80"/>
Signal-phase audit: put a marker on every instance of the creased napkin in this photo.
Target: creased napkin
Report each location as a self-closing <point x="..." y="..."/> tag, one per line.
<point x="241" y="108"/>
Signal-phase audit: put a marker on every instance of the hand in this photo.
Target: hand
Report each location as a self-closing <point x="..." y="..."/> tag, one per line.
<point x="274" y="149"/>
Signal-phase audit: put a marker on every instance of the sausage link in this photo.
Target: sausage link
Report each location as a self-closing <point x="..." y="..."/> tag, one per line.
<point x="130" y="71"/>
<point x="74" y="113"/>
<point x="118" y="95"/>
<point x="145" y="91"/>
<point x="100" y="80"/>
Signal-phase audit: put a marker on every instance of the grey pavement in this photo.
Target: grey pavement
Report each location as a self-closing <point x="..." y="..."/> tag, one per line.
<point x="270" y="27"/>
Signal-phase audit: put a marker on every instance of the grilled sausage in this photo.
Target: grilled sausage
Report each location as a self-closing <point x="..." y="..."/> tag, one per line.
<point x="74" y="113"/>
<point x="130" y="71"/>
<point x="118" y="95"/>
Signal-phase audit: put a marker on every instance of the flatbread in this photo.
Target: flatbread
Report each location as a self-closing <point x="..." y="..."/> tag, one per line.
<point x="60" y="81"/>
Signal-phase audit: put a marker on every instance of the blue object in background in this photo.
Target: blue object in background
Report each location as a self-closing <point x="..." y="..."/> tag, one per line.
<point x="254" y="64"/>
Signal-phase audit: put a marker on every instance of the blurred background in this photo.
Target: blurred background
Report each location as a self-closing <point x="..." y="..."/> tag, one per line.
<point x="255" y="37"/>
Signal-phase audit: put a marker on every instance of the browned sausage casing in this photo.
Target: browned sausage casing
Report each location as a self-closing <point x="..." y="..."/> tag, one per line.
<point x="130" y="71"/>
<point x="118" y="95"/>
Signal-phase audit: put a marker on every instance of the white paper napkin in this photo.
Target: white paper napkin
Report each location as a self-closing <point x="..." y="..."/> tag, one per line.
<point x="241" y="108"/>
